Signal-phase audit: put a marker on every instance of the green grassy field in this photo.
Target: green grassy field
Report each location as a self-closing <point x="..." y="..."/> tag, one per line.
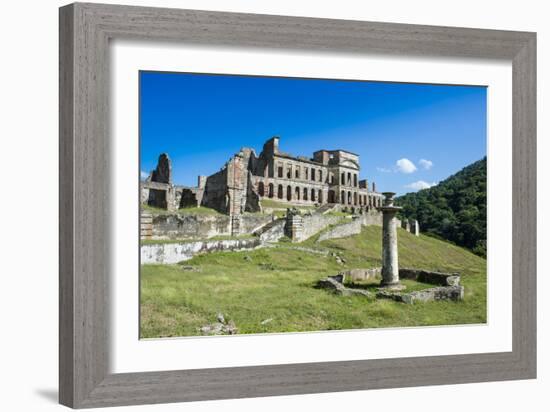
<point x="272" y="289"/>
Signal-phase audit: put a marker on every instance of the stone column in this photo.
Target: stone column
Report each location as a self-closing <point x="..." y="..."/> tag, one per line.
<point x="414" y="227"/>
<point x="235" y="225"/>
<point x="294" y="225"/>
<point x="390" y="265"/>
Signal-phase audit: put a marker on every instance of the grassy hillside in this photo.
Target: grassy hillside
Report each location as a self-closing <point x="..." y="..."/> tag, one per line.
<point x="272" y="289"/>
<point x="455" y="209"/>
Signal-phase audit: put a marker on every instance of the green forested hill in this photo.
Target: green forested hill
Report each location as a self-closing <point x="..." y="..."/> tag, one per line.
<point x="455" y="209"/>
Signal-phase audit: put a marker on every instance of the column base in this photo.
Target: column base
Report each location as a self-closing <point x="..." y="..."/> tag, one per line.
<point x="392" y="286"/>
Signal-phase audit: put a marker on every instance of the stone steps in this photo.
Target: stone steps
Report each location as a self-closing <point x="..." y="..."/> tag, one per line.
<point x="145" y="225"/>
<point x="327" y="207"/>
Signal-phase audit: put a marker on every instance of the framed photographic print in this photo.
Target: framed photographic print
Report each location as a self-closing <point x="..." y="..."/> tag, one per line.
<point x="257" y="205"/>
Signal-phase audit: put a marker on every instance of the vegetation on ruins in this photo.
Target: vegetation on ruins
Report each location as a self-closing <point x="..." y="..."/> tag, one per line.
<point x="455" y="209"/>
<point x="272" y="289"/>
<point x="203" y="210"/>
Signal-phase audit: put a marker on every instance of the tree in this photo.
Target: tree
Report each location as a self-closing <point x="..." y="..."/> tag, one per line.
<point x="455" y="209"/>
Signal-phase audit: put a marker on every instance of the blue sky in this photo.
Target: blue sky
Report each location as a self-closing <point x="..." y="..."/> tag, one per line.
<point x="408" y="136"/>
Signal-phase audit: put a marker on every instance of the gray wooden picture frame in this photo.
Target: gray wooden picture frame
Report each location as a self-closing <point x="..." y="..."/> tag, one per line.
<point x="85" y="31"/>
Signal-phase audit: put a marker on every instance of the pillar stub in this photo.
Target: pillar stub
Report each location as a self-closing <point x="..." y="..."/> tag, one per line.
<point x="390" y="263"/>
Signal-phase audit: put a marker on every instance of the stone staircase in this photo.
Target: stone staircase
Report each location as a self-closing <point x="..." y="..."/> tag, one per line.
<point x="272" y="231"/>
<point x="146" y="225"/>
<point x="326" y="208"/>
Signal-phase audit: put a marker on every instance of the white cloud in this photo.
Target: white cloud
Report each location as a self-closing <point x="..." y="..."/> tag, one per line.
<point x="405" y="166"/>
<point x="419" y="185"/>
<point x="144" y="175"/>
<point x="426" y="164"/>
<point x="383" y="169"/>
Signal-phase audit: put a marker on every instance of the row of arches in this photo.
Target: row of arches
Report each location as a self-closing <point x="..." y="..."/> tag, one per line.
<point x="290" y="194"/>
<point x="291" y="171"/>
<point x="353" y="198"/>
<point x="298" y="193"/>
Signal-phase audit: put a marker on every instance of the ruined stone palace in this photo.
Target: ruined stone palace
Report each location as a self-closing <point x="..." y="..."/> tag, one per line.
<point x="328" y="177"/>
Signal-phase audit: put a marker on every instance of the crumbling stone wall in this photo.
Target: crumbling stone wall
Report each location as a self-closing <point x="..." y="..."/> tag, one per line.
<point x="361" y="274"/>
<point x="314" y="223"/>
<point x="143" y="193"/>
<point x="231" y="190"/>
<point x="294" y="225"/>
<point x="215" y="192"/>
<point x="372" y="218"/>
<point x="161" y="196"/>
<point x="187" y="197"/>
<point x="342" y="230"/>
<point x="163" y="171"/>
<point x="273" y="231"/>
<point x="252" y="203"/>
<point x="253" y="222"/>
<point x="157" y="190"/>
<point x="426" y="276"/>
<point x="180" y="226"/>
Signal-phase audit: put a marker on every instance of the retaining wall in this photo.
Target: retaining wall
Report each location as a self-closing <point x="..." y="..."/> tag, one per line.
<point x="180" y="226"/>
<point x="314" y="223"/>
<point x="371" y="218"/>
<point x="170" y="253"/>
<point x="343" y="230"/>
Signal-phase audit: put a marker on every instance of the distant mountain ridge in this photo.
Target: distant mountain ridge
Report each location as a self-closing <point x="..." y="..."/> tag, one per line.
<point x="455" y="209"/>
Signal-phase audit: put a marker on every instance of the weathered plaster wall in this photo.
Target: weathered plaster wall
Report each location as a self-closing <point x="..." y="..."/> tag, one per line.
<point x="170" y="253"/>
